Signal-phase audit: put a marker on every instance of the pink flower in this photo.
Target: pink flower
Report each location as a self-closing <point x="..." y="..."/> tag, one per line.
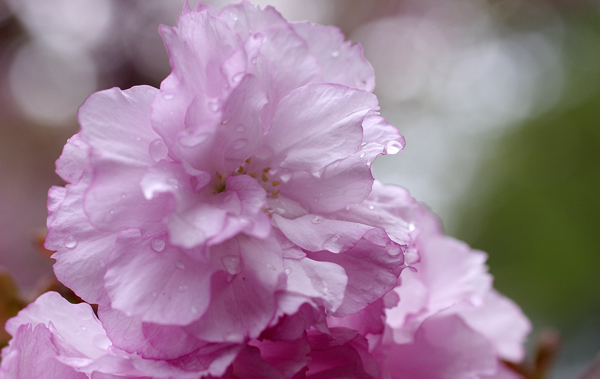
<point x="55" y="339"/>
<point x="444" y="319"/>
<point x="212" y="205"/>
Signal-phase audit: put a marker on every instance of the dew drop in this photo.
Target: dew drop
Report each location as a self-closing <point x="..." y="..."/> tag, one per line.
<point x="138" y="139"/>
<point x="253" y="60"/>
<point x="238" y="77"/>
<point x="232" y="263"/>
<point x="332" y="243"/>
<point x="194" y="310"/>
<point x="371" y="207"/>
<point x="168" y="96"/>
<point x="123" y="195"/>
<point x="393" y="147"/>
<point x="224" y="122"/>
<point x="317" y="220"/>
<point x="174" y="182"/>
<point x="347" y="207"/>
<point x="363" y="144"/>
<point x="335" y="54"/>
<point x="83" y="328"/>
<point x="70" y="242"/>
<point x="214" y="105"/>
<point x="240" y="128"/>
<point x="179" y="265"/>
<point x="158" y="244"/>
<point x="411" y="227"/>
<point x="158" y="150"/>
<point x="239" y="144"/>
<point x="182" y="288"/>
<point x="362" y="155"/>
<point x="287" y="271"/>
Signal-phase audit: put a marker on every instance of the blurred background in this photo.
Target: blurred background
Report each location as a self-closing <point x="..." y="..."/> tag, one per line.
<point x="499" y="102"/>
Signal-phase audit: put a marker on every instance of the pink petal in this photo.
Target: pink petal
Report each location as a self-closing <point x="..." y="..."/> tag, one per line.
<point x="318" y="124"/>
<point x="81" y="250"/>
<point x="164" y="285"/>
<point x="226" y="142"/>
<point x="503" y="323"/>
<point x="341" y="62"/>
<point x="444" y="348"/>
<point x="31" y="354"/>
<point x="116" y="125"/>
<point x="76" y="323"/>
<point x="197" y="41"/>
<point x="242" y="296"/>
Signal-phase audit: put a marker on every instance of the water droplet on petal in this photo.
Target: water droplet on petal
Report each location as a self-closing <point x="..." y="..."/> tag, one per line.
<point x="393" y="147"/>
<point x="253" y="60"/>
<point x="347" y="207"/>
<point x="363" y="144"/>
<point x="182" y="288"/>
<point x="158" y="244"/>
<point x="83" y="328"/>
<point x="240" y="128"/>
<point x="238" y="77"/>
<point x="168" y="96"/>
<point x="214" y="105"/>
<point x="239" y="144"/>
<point x="194" y="310"/>
<point x="332" y="243"/>
<point x="158" y="150"/>
<point x="70" y="242"/>
<point x="371" y="207"/>
<point x="287" y="271"/>
<point x="179" y="265"/>
<point x="138" y="139"/>
<point x="123" y="195"/>
<point x="362" y="155"/>
<point x="174" y="182"/>
<point x="335" y="54"/>
<point x="232" y="263"/>
<point x="317" y="220"/>
<point x="411" y="227"/>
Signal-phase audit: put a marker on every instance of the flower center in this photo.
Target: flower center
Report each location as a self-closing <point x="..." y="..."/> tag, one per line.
<point x="264" y="176"/>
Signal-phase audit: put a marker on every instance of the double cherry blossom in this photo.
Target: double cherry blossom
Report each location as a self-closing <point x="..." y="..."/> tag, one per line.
<point x="228" y="225"/>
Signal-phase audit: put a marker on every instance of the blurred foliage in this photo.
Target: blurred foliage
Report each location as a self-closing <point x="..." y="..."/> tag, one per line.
<point x="535" y="206"/>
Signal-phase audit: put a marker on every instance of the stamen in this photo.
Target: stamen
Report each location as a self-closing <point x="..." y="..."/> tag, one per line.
<point x="240" y="170"/>
<point x="265" y="170"/>
<point x="265" y="178"/>
<point x="275" y="183"/>
<point x="248" y="160"/>
<point x="275" y="193"/>
<point x="253" y="174"/>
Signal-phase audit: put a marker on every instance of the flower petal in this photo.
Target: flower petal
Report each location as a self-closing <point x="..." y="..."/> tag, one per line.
<point x="318" y="124"/>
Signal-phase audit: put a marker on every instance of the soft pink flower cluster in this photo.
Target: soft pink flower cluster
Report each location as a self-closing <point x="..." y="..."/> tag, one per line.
<point x="228" y="226"/>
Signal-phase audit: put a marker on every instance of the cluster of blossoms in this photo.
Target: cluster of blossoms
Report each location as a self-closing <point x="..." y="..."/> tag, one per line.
<point x="227" y="225"/>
